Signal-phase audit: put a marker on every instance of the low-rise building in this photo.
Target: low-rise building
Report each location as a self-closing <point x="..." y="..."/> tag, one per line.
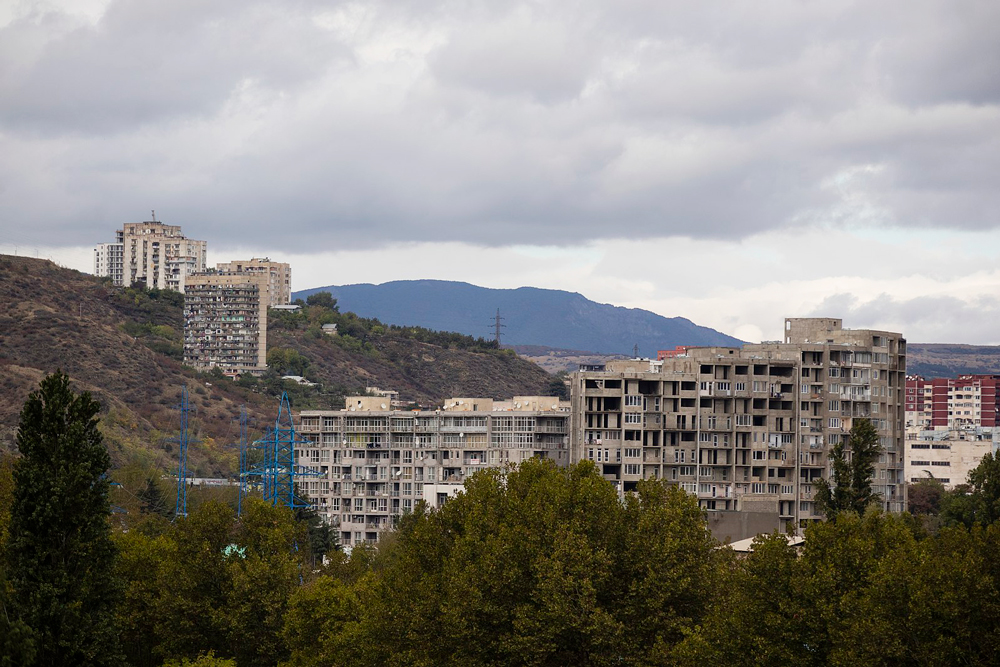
<point x="374" y="463"/>
<point x="947" y="454"/>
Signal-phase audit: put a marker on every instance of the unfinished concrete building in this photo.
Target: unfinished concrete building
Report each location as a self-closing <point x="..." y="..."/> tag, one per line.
<point x="747" y="429"/>
<point x="278" y="286"/>
<point x="375" y="463"/>
<point x="225" y="323"/>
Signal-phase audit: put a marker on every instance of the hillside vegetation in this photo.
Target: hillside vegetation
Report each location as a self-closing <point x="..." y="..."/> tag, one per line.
<point x="945" y="360"/>
<point x="125" y="347"/>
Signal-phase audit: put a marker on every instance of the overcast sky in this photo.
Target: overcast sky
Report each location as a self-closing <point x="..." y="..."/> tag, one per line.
<point x="729" y="162"/>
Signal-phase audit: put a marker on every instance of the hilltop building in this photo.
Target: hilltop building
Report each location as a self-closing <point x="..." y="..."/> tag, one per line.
<point x="150" y="253"/>
<point x="278" y="287"/>
<point x="225" y="322"/>
<point x="109" y="262"/>
<point x="376" y="463"/>
<point x="747" y="429"/>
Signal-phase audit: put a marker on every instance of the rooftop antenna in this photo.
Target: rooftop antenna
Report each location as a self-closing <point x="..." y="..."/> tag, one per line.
<point x="154" y="215"/>
<point x="496" y="326"/>
<point x="635" y="350"/>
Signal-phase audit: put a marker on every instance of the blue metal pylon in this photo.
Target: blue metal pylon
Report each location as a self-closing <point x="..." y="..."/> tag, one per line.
<point x="180" y="509"/>
<point x="243" y="460"/>
<point x="277" y="469"/>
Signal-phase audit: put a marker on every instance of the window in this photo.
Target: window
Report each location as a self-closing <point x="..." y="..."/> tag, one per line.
<point x="686" y="471"/>
<point x="633" y="418"/>
<point x="633" y="401"/>
<point x="632" y="453"/>
<point x="834" y="422"/>
<point x="631" y="468"/>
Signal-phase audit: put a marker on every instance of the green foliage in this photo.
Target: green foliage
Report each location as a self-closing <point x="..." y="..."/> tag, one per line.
<point x="322" y="300"/>
<point x="534" y="565"/>
<point x="285" y="361"/>
<point x="60" y="555"/>
<point x="852" y="487"/>
<point x="977" y="502"/>
<point x="205" y="660"/>
<point x="185" y="596"/>
<point x="925" y="496"/>
<point x="557" y="387"/>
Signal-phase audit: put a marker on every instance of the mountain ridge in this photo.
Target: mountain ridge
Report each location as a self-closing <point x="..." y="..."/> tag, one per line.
<point x="531" y="315"/>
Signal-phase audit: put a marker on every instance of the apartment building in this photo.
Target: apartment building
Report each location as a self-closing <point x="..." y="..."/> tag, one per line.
<point x="950" y="403"/>
<point x="225" y="322"/>
<point x="951" y="423"/>
<point x="747" y="429"/>
<point x="374" y="463"/>
<point x="109" y="262"/>
<point x="152" y="253"/>
<point x="279" y="277"/>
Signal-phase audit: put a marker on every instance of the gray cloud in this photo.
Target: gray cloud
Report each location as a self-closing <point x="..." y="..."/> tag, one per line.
<point x="302" y="125"/>
<point x="937" y="318"/>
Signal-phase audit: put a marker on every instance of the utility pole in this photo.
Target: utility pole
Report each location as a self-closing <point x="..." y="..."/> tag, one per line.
<point x="635" y="351"/>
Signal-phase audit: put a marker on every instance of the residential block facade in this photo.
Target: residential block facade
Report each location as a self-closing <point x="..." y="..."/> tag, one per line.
<point x="225" y="323"/>
<point x="968" y="400"/>
<point x="747" y="428"/>
<point x="152" y="253"/>
<point x="109" y="262"/>
<point x="374" y="463"/>
<point x="279" y="277"/>
<point x="951" y="423"/>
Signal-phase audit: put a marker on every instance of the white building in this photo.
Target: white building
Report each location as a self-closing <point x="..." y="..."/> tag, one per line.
<point x="109" y="262"/>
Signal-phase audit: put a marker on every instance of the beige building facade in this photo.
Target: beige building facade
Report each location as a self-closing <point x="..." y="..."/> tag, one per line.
<point x="152" y="253"/>
<point x="375" y="463"/>
<point x="947" y="454"/>
<point x="747" y="429"/>
<point x="278" y="285"/>
<point x="225" y="323"/>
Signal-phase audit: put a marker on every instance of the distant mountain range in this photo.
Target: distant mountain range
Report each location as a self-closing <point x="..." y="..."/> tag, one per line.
<point x="531" y="316"/>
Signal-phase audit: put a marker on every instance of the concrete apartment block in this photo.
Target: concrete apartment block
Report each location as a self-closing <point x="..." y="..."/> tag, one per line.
<point x="152" y="253"/>
<point x="279" y="277"/>
<point x="225" y="323"/>
<point x="375" y="463"/>
<point x="747" y="429"/>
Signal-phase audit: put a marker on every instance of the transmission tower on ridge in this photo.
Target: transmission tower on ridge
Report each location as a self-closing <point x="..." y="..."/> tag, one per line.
<point x="496" y="326"/>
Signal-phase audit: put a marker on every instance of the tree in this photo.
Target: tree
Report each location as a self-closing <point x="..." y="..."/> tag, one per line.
<point x="61" y="556"/>
<point x="323" y="300"/>
<point x="924" y="497"/>
<point x="852" y="477"/>
<point x="534" y="565"/>
<point x="977" y="502"/>
<point x="557" y="386"/>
